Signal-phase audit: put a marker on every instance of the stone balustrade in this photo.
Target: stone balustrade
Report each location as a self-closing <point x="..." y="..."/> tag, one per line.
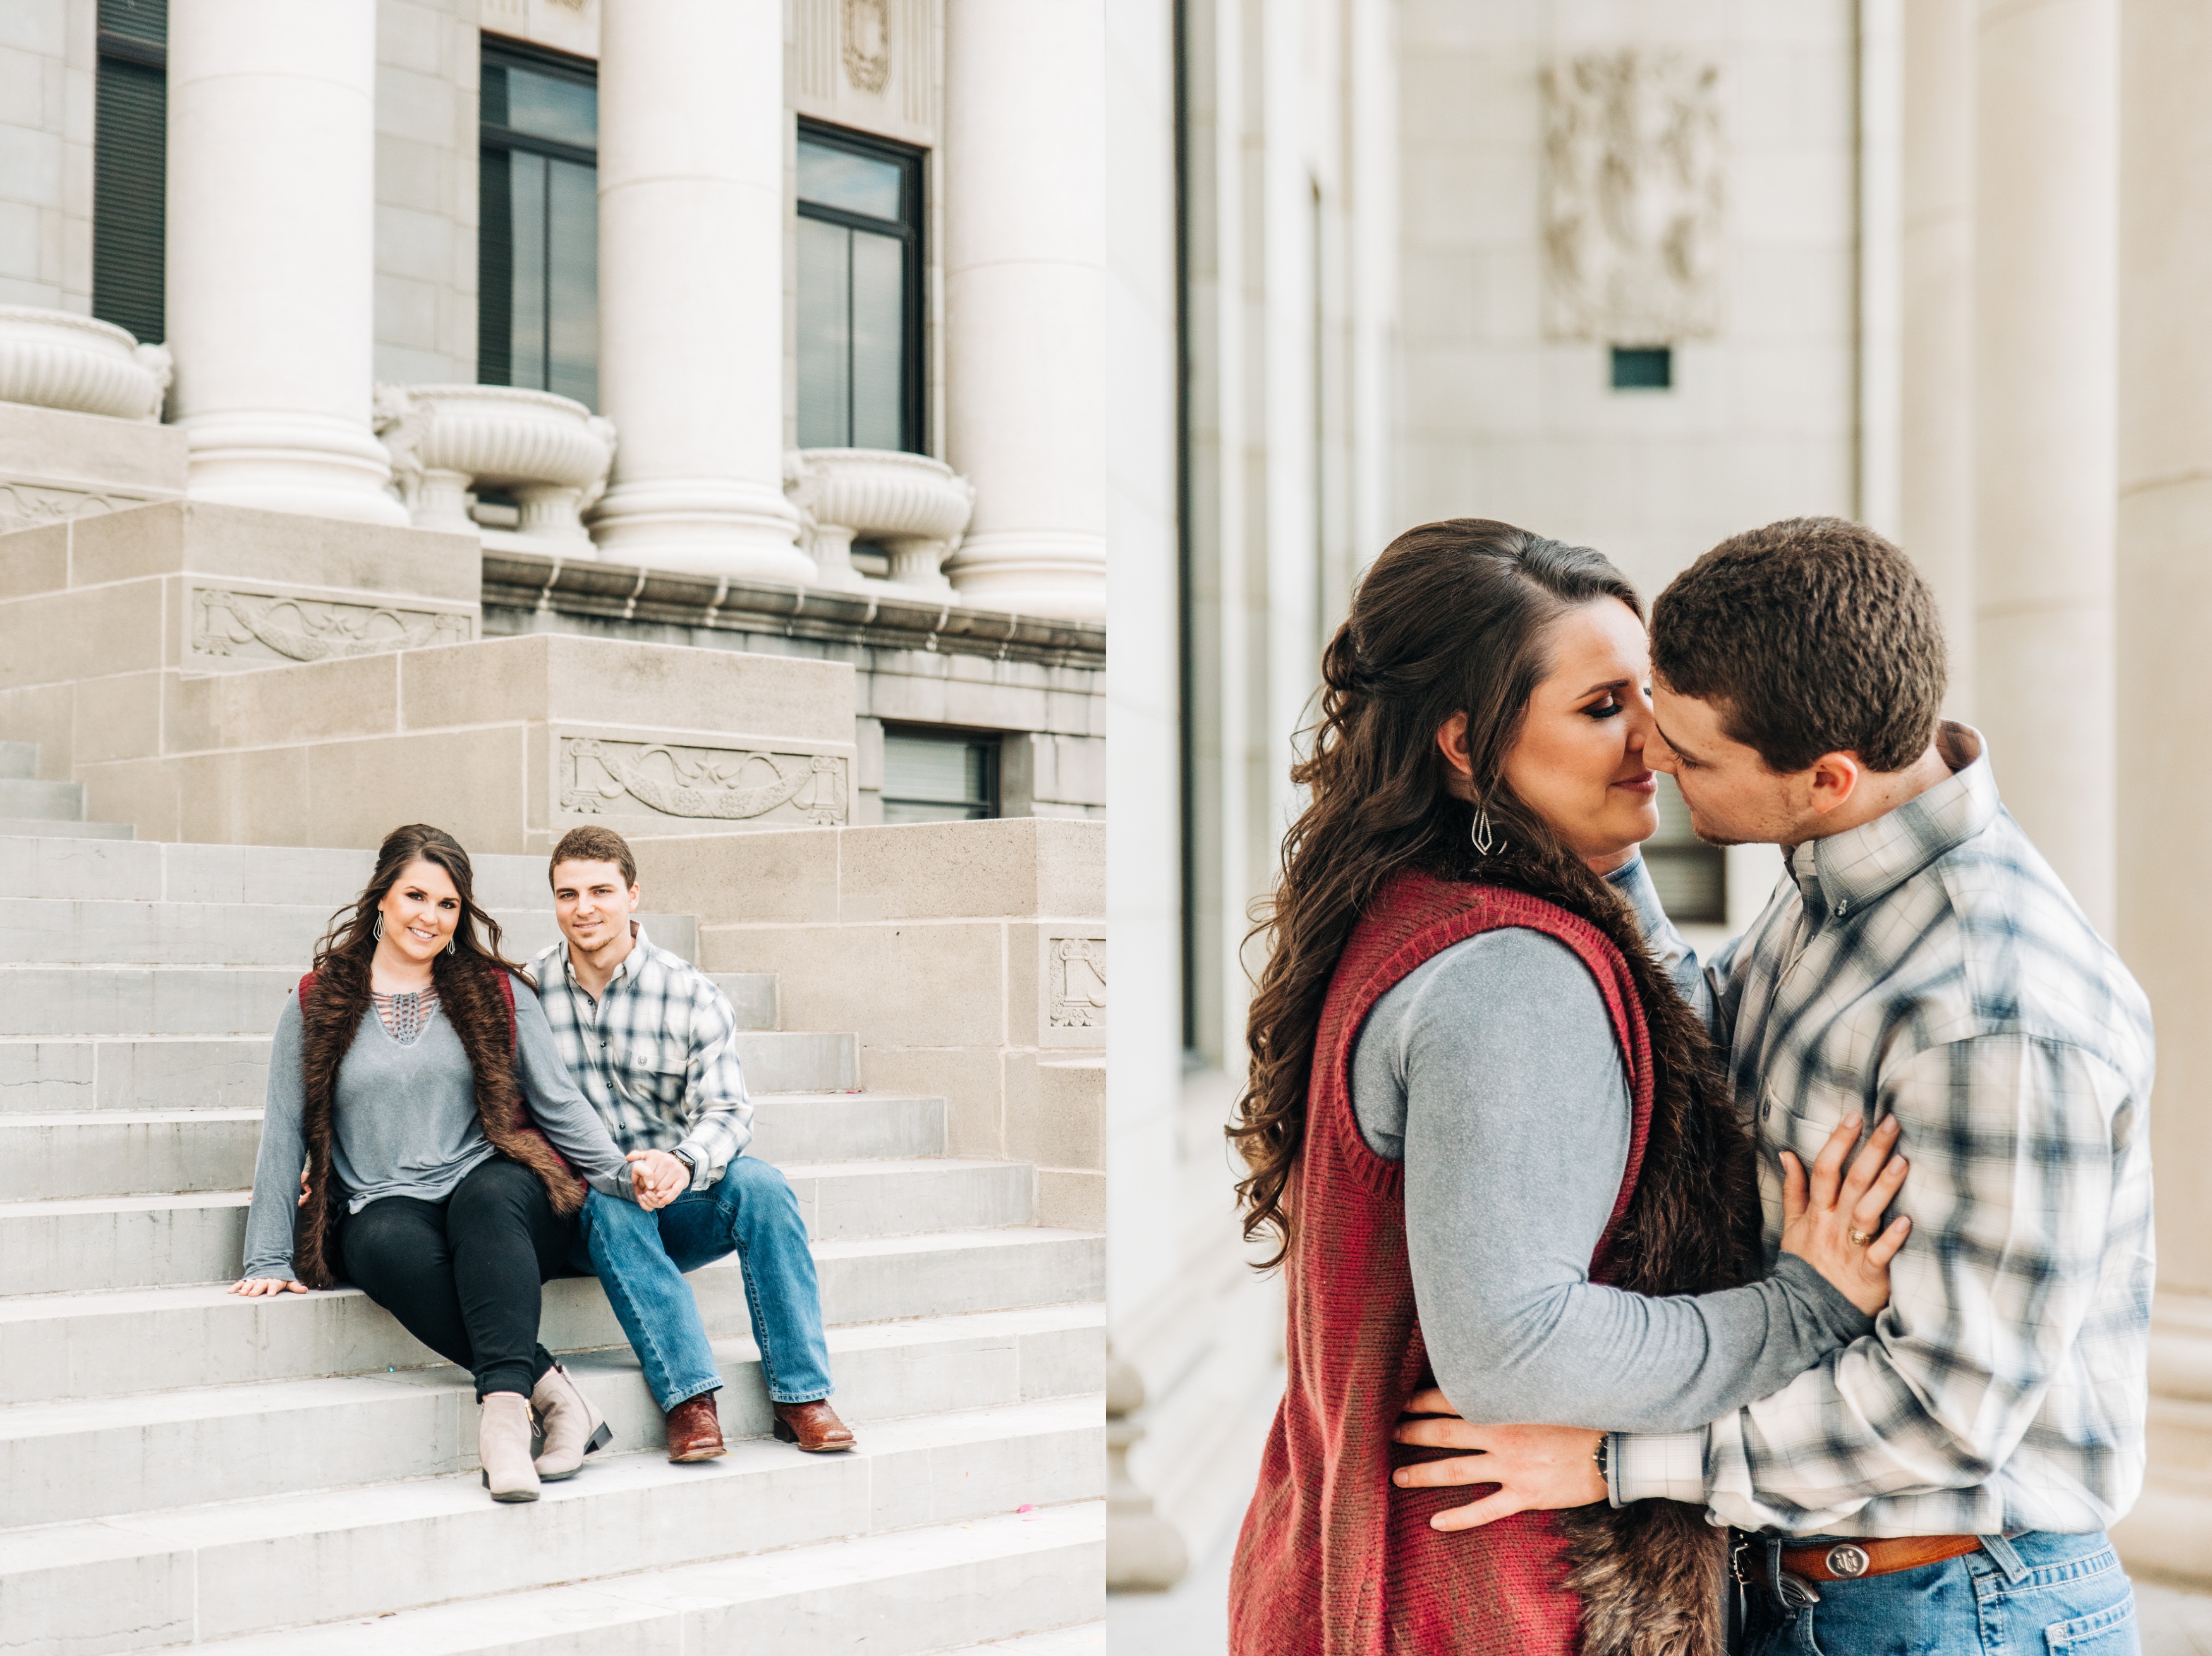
<point x="913" y="507"/>
<point x="552" y="453"/>
<point x="56" y="359"/>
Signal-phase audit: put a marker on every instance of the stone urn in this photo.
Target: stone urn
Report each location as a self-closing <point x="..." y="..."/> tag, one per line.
<point x="551" y="452"/>
<point x="913" y="507"/>
<point x="56" y="359"/>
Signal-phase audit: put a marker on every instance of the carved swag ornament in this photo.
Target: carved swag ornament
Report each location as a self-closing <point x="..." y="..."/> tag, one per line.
<point x="315" y="629"/>
<point x="714" y="784"/>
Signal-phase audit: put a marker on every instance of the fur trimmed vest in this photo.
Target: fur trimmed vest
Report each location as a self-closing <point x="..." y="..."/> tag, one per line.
<point x="1334" y="1560"/>
<point x="477" y="997"/>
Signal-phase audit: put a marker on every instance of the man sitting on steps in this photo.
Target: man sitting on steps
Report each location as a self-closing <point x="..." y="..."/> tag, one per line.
<point x="651" y="1042"/>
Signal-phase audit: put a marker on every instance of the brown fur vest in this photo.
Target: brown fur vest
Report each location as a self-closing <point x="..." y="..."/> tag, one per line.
<point x="478" y="998"/>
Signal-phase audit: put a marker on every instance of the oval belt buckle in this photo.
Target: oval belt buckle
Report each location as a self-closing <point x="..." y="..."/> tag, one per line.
<point x="1848" y="1560"/>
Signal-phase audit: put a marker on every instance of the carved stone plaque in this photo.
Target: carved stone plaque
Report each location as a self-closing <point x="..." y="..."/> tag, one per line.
<point x="1633" y="194"/>
<point x="713" y="784"/>
<point x="273" y="627"/>
<point x="1071" y="990"/>
<point x="28" y="505"/>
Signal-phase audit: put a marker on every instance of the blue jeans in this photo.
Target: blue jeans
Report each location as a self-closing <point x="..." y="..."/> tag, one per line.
<point x="640" y="1257"/>
<point x="2038" y="1594"/>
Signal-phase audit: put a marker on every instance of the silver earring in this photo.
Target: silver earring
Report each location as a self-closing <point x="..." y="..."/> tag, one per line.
<point x="1485" y="841"/>
<point x="379" y="927"/>
<point x="453" y="944"/>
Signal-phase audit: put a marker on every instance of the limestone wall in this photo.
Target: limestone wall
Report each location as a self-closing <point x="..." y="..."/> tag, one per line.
<point x="969" y="958"/>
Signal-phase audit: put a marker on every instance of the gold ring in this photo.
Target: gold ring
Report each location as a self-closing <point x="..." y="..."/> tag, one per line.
<point x="1860" y="1238"/>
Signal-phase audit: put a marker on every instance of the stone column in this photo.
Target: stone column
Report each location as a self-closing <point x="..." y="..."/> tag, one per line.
<point x="2046" y="184"/>
<point x="1936" y="258"/>
<point x="2165" y="788"/>
<point x="1024" y="173"/>
<point x="271" y="255"/>
<point x="691" y="173"/>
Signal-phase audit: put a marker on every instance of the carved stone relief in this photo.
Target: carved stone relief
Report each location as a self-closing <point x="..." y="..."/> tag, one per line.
<point x="706" y="784"/>
<point x="1633" y="197"/>
<point x="271" y="628"/>
<point x="868" y="45"/>
<point x="1073" y="991"/>
<point x="27" y="505"/>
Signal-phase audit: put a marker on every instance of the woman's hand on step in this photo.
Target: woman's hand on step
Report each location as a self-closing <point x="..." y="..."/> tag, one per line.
<point x="254" y="1286"/>
<point x="1831" y="1221"/>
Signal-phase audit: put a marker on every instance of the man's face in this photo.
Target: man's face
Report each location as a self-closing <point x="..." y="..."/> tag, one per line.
<point x="1733" y="799"/>
<point x="593" y="903"/>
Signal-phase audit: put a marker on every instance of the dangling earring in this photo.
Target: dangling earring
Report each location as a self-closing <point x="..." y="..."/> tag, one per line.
<point x="453" y="944"/>
<point x="1485" y="841"/>
<point x="380" y="925"/>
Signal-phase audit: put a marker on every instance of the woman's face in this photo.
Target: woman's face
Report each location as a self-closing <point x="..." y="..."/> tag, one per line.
<point x="1578" y="761"/>
<point x="420" y="912"/>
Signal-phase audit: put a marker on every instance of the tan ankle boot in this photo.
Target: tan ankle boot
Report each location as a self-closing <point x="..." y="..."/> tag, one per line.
<point x="503" y="1446"/>
<point x="573" y="1428"/>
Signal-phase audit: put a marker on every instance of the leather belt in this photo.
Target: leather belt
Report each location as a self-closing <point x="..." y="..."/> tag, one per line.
<point x="1855" y="1560"/>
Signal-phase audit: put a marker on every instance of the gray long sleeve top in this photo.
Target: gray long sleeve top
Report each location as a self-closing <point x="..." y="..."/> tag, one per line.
<point x="1492" y="1072"/>
<point x="406" y="1124"/>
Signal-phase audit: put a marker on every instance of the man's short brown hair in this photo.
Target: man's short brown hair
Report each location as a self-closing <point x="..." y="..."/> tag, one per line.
<point x="594" y="844"/>
<point x="1814" y="635"/>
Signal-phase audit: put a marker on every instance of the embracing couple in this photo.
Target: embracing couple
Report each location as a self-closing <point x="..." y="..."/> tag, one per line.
<point x="454" y="1131"/>
<point x="1619" y="1323"/>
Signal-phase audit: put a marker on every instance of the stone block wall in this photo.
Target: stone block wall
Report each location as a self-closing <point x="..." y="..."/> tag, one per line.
<point x="427" y="73"/>
<point x="47" y="79"/>
<point x="968" y="957"/>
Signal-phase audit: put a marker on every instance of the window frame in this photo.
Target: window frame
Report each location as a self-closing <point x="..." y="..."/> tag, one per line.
<point x="913" y="400"/>
<point x="140" y="53"/>
<point x="501" y="51"/>
<point x="989" y="743"/>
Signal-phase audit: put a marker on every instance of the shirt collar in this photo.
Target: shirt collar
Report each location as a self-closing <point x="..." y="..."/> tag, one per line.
<point x="640" y="947"/>
<point x="1843" y="873"/>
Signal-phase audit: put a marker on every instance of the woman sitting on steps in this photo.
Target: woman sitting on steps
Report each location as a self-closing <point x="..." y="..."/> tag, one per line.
<point x="418" y="1100"/>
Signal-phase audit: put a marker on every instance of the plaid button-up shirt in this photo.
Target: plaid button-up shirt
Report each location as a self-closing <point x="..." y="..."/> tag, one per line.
<point x="1929" y="965"/>
<point x="656" y="1054"/>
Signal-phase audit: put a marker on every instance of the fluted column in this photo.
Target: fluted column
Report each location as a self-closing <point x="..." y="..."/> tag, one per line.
<point x="1935" y="458"/>
<point x="271" y="255"/>
<point x="1024" y="173"/>
<point x="2046" y="131"/>
<point x="2165" y="786"/>
<point x="691" y="132"/>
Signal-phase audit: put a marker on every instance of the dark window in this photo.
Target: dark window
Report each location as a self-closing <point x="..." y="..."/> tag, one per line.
<point x="939" y="776"/>
<point x="1690" y="876"/>
<point x="1643" y="368"/>
<point x="538" y="248"/>
<point x="859" y="292"/>
<point x="129" y="159"/>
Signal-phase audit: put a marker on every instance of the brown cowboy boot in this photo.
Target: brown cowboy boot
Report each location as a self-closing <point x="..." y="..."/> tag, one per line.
<point x="694" y="1432"/>
<point x="814" y="1427"/>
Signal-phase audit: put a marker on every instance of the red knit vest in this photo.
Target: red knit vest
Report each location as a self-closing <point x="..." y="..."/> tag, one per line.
<point x="1333" y="1558"/>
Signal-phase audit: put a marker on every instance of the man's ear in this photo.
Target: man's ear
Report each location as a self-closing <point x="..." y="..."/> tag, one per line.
<point x="1833" y="779"/>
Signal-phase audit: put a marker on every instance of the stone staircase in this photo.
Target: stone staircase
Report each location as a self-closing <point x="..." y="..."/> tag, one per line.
<point x="181" y="1467"/>
<point x="28" y="806"/>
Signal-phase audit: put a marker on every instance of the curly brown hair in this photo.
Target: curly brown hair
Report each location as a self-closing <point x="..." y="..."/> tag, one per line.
<point x="1453" y="617"/>
<point x="1810" y="635"/>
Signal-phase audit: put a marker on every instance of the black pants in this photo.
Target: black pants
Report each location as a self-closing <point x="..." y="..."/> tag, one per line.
<point x="463" y="1275"/>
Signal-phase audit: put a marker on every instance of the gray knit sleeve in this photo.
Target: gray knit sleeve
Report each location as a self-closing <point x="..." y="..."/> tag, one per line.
<point x="563" y="1114"/>
<point x="1516" y="1131"/>
<point x="283" y="1154"/>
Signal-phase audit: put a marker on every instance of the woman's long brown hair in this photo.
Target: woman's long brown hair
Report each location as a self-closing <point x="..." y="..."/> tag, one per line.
<point x="1452" y="618"/>
<point x="343" y="955"/>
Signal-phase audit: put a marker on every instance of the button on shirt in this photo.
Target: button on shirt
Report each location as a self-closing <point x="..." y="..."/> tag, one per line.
<point x="656" y="1054"/>
<point x="1930" y="965"/>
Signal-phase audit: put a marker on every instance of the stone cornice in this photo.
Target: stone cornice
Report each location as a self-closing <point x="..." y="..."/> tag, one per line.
<point x="882" y="620"/>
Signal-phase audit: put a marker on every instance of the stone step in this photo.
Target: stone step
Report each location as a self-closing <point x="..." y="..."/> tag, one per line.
<point x="94" y="1344"/>
<point x="76" y="1458"/>
<point x="43" y="827"/>
<point x="194" y="1072"/>
<point x="153" y="1240"/>
<point x="64" y="865"/>
<point x="48" y="801"/>
<point x="19" y="759"/>
<point x="752" y="996"/>
<point x="40" y="931"/>
<point x="208" y="1573"/>
<point x="942" y="1588"/>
